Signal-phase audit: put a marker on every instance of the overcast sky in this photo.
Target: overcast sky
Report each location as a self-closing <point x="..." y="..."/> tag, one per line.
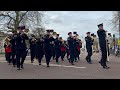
<point x="80" y="21"/>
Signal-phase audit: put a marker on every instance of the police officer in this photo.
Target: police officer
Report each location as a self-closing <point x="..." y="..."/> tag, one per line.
<point x="32" y="43"/>
<point x="13" y="47"/>
<point x="102" y="42"/>
<point x="47" y="48"/>
<point x="70" y="41"/>
<point x="89" y="43"/>
<point x="21" y="49"/>
<point x="57" y="48"/>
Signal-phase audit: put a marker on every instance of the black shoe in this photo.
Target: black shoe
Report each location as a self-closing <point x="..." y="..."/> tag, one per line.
<point x="86" y="59"/>
<point x="90" y="62"/>
<point x="57" y="62"/>
<point x="18" y="68"/>
<point x="13" y="65"/>
<point x="31" y="61"/>
<point x="100" y="62"/>
<point x="106" y="67"/>
<point x="39" y="63"/>
<point x="72" y="63"/>
<point x="22" y="66"/>
<point x="48" y="66"/>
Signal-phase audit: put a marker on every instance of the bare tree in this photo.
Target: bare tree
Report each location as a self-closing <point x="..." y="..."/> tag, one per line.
<point x="39" y="31"/>
<point x="115" y="20"/>
<point x="12" y="19"/>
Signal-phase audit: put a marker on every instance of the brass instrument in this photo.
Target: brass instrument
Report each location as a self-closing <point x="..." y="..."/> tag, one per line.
<point x="77" y="36"/>
<point x="54" y="33"/>
<point x="7" y="40"/>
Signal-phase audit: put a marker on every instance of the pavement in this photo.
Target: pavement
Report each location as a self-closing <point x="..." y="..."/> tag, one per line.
<point x="63" y="70"/>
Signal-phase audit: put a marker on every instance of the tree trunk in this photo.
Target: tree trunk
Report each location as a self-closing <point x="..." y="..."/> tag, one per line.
<point x="16" y="20"/>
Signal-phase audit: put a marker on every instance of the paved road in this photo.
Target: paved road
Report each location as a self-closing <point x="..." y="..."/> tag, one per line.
<point x="81" y="69"/>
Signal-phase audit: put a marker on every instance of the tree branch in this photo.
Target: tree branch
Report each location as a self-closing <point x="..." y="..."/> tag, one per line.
<point x="23" y="16"/>
<point x="7" y="15"/>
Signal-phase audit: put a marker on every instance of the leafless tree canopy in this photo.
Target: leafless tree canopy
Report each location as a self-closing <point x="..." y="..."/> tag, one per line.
<point x="12" y="19"/>
<point x="115" y="20"/>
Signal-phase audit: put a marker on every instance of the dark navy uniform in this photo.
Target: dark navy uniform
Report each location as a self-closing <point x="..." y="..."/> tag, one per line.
<point x="13" y="47"/>
<point x="67" y="51"/>
<point x="52" y="47"/>
<point x="21" y="49"/>
<point x="47" y="49"/>
<point x="5" y="52"/>
<point x="39" y="49"/>
<point x="89" y="43"/>
<point x="32" y="48"/>
<point x="102" y="42"/>
<point x="75" y="49"/>
<point x="70" y="41"/>
<point x="78" y="45"/>
<point x="57" y="49"/>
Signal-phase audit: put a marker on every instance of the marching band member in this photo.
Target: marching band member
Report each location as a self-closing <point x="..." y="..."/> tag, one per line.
<point x="39" y="49"/>
<point x="21" y="48"/>
<point x="79" y="46"/>
<point x="32" y="43"/>
<point x="52" y="40"/>
<point x="70" y="41"/>
<point x="95" y="44"/>
<point x="89" y="43"/>
<point x="13" y="47"/>
<point x="47" y="47"/>
<point x="63" y="49"/>
<point x="102" y="42"/>
<point x="57" y="48"/>
<point x="8" y="50"/>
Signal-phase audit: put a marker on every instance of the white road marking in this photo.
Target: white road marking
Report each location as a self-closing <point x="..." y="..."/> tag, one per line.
<point x="59" y="65"/>
<point x="56" y="65"/>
